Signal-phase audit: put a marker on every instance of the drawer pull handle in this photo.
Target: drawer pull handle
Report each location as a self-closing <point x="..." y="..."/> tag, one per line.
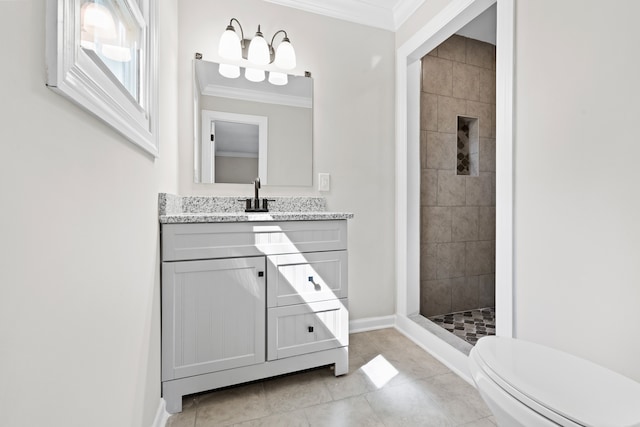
<point x="260" y="273"/>
<point x="316" y="286"/>
<point x="310" y="328"/>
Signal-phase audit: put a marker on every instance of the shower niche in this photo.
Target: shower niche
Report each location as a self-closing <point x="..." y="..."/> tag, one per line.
<point x="468" y="146"/>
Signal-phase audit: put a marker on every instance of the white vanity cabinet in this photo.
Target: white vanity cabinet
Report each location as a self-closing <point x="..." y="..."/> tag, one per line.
<point x="248" y="300"/>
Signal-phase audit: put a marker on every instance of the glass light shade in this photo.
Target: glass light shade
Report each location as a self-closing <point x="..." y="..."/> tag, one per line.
<point x="116" y="53"/>
<point x="285" y="56"/>
<point x="86" y="41"/>
<point x="254" y="75"/>
<point x="278" y="79"/>
<point x="229" y="47"/>
<point x="97" y="21"/>
<point x="259" y="50"/>
<point x="229" y="71"/>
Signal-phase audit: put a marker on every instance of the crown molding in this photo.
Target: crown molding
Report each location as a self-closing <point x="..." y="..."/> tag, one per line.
<point x="257" y="96"/>
<point x="368" y="13"/>
<point x="403" y="10"/>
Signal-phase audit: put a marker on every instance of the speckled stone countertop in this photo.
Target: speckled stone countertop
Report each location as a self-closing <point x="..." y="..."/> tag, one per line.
<point x="174" y="209"/>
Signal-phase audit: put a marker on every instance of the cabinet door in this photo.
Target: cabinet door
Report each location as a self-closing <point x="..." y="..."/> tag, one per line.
<point x="213" y="315"/>
<point x="306" y="277"/>
<point x="306" y="328"/>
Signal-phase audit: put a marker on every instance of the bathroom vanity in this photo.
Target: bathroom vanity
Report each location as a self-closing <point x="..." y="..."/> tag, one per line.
<point x="250" y="296"/>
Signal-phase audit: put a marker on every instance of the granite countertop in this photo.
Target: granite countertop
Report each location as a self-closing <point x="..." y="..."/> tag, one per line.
<point x="174" y="209"/>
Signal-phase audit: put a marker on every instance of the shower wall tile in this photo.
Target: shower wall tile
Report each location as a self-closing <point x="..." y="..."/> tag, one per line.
<point x="481" y="54"/>
<point x="464" y="223"/>
<point x="429" y="187"/>
<point x="464" y="294"/>
<point x="482" y="111"/>
<point x="451" y="188"/>
<point x="448" y="111"/>
<point x="457" y="260"/>
<point x="428" y="261"/>
<point x="428" y="111"/>
<point x="435" y="297"/>
<point x="487" y="83"/>
<point x="450" y="260"/>
<point x="493" y="187"/>
<point x="478" y="190"/>
<point x="441" y="151"/>
<point x="486" y="223"/>
<point x="454" y="49"/>
<point x="480" y="257"/>
<point x="436" y="224"/>
<point x="487" y="290"/>
<point x="487" y="155"/>
<point x="423" y="149"/>
<point x="493" y="121"/>
<point x="437" y="75"/>
<point x="466" y="81"/>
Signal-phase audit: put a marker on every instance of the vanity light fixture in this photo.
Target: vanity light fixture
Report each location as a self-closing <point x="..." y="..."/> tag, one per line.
<point x="278" y="79"/>
<point x="97" y="21"/>
<point x="99" y="32"/>
<point x="258" y="52"/>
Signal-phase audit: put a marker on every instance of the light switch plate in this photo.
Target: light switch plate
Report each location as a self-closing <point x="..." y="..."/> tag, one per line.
<point x="324" y="182"/>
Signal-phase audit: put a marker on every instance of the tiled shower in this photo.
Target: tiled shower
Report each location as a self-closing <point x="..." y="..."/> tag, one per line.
<point x="457" y="155"/>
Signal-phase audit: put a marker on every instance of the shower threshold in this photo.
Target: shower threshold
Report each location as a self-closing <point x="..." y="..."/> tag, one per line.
<point x="470" y="325"/>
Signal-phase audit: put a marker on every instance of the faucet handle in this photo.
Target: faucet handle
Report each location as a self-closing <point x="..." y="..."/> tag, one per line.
<point x="247" y="203"/>
<point x="265" y="203"/>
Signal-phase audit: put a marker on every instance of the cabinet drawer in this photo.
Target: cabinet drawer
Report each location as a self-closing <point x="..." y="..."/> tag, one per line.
<point x="305" y="328"/>
<point x="306" y="277"/>
<point x="238" y="239"/>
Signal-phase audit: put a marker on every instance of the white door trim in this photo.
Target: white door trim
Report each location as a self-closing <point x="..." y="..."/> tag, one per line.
<point x="208" y="150"/>
<point x="453" y="17"/>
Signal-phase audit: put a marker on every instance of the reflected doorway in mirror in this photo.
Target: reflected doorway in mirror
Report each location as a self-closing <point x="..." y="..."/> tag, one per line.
<point x="234" y="147"/>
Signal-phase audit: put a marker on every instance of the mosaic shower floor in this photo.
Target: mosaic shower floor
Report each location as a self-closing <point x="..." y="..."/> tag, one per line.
<point x="469" y="325"/>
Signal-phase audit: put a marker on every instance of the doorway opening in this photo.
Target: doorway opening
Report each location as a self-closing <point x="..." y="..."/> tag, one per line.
<point x="457" y="184"/>
<point x="450" y="20"/>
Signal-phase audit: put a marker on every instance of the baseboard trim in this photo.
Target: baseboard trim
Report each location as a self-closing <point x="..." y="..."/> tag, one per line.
<point x="161" y="415"/>
<point x="372" y="323"/>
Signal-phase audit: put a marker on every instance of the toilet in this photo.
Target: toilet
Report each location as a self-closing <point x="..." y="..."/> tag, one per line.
<point x="529" y="385"/>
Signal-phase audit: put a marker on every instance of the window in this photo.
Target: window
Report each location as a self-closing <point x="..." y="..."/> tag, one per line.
<point x="101" y="55"/>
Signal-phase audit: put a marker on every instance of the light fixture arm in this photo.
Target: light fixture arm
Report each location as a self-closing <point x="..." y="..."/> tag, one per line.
<point x="230" y="27"/>
<point x="286" y="38"/>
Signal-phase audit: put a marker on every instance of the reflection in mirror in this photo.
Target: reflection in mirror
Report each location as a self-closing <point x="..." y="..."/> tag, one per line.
<point x="276" y="119"/>
<point x="231" y="147"/>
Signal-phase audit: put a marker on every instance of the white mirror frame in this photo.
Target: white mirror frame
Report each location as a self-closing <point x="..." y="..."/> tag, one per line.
<point x="72" y="72"/>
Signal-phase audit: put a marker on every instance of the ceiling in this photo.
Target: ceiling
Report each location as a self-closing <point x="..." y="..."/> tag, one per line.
<point x="385" y="14"/>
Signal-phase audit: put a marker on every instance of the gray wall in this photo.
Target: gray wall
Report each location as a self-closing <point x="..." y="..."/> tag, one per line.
<point x="353" y="127"/>
<point x="236" y="169"/>
<point x="79" y="312"/>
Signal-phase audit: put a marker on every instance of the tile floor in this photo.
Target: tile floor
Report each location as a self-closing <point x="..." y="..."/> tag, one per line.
<point x="469" y="325"/>
<point x="391" y="382"/>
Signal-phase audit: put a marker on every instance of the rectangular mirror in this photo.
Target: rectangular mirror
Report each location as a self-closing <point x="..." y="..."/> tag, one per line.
<point x="244" y="130"/>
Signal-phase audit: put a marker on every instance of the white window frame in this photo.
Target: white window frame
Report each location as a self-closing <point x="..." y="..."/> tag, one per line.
<point x="73" y="72"/>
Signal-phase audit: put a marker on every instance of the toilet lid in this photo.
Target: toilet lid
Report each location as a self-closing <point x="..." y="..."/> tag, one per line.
<point x="574" y="388"/>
